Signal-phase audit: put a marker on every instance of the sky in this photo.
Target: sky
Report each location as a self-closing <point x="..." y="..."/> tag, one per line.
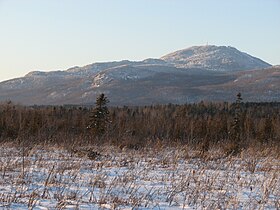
<point x="50" y="35"/>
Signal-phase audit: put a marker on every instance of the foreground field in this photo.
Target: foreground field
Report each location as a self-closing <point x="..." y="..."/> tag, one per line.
<point x="112" y="178"/>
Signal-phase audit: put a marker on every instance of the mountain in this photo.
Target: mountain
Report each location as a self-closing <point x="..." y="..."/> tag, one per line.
<point x="209" y="73"/>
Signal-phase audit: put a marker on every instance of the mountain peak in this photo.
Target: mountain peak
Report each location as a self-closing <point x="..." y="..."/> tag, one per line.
<point x="211" y="57"/>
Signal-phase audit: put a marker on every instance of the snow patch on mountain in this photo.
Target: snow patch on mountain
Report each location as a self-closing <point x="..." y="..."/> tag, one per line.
<point x="123" y="72"/>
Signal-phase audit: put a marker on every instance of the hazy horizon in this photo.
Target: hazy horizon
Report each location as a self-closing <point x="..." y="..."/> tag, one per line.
<point x="57" y="35"/>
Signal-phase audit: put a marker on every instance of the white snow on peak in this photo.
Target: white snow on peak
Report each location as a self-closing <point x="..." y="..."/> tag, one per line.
<point x="221" y="58"/>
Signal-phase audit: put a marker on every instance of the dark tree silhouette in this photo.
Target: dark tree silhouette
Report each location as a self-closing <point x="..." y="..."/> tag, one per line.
<point x="236" y="126"/>
<point x="99" y="116"/>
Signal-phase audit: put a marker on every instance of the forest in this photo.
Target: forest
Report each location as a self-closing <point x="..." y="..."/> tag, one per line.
<point x="202" y="125"/>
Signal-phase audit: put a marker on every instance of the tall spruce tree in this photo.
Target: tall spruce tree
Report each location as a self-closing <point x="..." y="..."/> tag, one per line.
<point x="99" y="117"/>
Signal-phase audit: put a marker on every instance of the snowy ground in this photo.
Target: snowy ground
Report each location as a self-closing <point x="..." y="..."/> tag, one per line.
<point x="173" y="178"/>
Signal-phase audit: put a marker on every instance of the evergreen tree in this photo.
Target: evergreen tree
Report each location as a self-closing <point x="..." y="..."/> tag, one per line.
<point x="237" y="117"/>
<point x="99" y="116"/>
<point x="236" y="126"/>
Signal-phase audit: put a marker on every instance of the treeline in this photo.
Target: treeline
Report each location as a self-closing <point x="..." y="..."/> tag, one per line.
<point x="193" y="124"/>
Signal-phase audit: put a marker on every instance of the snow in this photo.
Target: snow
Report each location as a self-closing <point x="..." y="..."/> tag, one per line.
<point x="171" y="178"/>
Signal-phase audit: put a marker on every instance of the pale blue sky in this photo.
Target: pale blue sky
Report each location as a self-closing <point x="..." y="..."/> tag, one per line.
<point x="59" y="34"/>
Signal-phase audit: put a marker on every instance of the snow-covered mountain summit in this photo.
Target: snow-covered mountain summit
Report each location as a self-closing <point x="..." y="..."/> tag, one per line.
<point x="211" y="57"/>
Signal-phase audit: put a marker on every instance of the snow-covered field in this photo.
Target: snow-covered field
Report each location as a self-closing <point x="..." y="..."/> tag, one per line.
<point x="111" y="178"/>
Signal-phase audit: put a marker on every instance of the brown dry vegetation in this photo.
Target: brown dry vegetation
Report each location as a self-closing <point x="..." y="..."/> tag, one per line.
<point x="202" y="125"/>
